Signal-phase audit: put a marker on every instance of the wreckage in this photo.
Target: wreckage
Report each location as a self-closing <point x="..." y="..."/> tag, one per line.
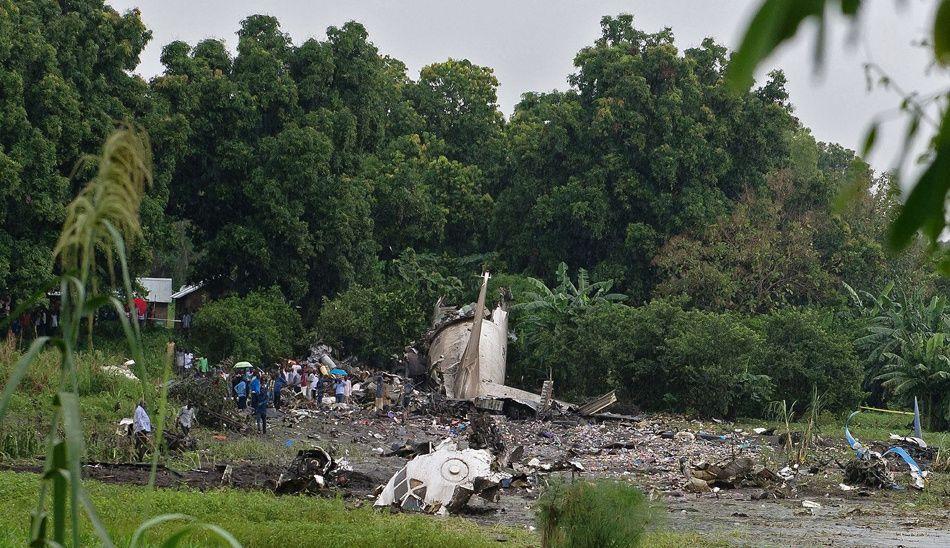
<point x="467" y="356"/>
<point x="468" y="351"/>
<point x="870" y="467"/>
<point x="443" y="480"/>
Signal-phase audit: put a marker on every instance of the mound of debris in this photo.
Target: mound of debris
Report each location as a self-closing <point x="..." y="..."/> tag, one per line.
<point x="315" y="471"/>
<point x="209" y="396"/>
<point x="870" y="467"/>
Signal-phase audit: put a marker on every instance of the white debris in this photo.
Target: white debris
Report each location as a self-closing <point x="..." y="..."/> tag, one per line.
<point x="443" y="479"/>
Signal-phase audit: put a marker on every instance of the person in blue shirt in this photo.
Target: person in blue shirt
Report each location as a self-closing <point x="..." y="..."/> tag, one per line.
<point x="260" y="412"/>
<point x="240" y="390"/>
<point x="339" y="389"/>
<point x="279" y="384"/>
<point x="255" y="387"/>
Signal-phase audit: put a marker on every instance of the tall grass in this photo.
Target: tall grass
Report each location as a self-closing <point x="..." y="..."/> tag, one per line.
<point x="593" y="514"/>
<point x="91" y="250"/>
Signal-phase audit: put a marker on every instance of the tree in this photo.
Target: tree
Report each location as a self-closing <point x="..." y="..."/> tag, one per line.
<point x="777" y="21"/>
<point x="425" y="201"/>
<point x="907" y="353"/>
<point x="65" y="81"/>
<point x="262" y="154"/>
<point x="260" y="327"/>
<point x="459" y="103"/>
<point x="806" y="350"/>
<point x="647" y="143"/>
<point x="791" y="241"/>
<point x="545" y="306"/>
<point x="922" y="368"/>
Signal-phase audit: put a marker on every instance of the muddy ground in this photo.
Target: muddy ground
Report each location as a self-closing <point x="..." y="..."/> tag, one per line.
<point x="645" y="452"/>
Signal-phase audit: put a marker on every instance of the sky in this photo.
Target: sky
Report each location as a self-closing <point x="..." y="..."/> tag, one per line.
<point x="531" y="45"/>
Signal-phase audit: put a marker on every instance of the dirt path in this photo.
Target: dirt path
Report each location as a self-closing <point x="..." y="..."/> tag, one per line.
<point x="839" y="522"/>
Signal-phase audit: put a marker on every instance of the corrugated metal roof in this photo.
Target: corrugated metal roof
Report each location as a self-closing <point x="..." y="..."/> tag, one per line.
<point x="159" y="289"/>
<point x="186" y="290"/>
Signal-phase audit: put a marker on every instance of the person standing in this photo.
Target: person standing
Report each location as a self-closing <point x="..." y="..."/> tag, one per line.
<point x="260" y="412"/>
<point x="379" y="392"/>
<point x="293" y="379"/>
<point x="320" y="388"/>
<point x="140" y="307"/>
<point x="240" y="390"/>
<point x="347" y="389"/>
<point x="279" y="384"/>
<point x="141" y="430"/>
<point x="339" y="389"/>
<point x="203" y="365"/>
<point x="186" y="320"/>
<point x="254" y="387"/>
<point x="314" y="379"/>
<point x="186" y="418"/>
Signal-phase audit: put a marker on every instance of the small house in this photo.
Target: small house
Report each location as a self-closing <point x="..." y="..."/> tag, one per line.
<point x="158" y="296"/>
<point x="188" y="299"/>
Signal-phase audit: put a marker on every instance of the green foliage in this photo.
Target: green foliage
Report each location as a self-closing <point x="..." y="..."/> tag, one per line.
<point x="65" y="77"/>
<point x="710" y="367"/>
<point x="904" y="341"/>
<point x="647" y="143"/>
<point x="99" y="221"/>
<point x="663" y="357"/>
<point x="543" y="307"/>
<point x="922" y="368"/>
<point x="806" y="350"/>
<point x="374" y="323"/>
<point x="777" y="21"/>
<point x="260" y="327"/>
<point x="787" y="243"/>
<point x="587" y="514"/>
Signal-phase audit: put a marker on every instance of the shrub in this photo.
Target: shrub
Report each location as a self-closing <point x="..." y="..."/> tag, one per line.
<point x="372" y="323"/>
<point x="602" y="513"/>
<point x="657" y="356"/>
<point x="260" y="327"/>
<point x="806" y="349"/>
<point x="710" y="367"/>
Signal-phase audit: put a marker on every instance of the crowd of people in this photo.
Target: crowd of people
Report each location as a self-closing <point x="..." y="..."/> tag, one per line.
<point x="255" y="391"/>
<point x="37" y="322"/>
<point x="187" y="363"/>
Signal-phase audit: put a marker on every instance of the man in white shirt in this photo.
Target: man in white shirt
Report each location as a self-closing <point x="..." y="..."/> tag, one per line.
<point x="141" y="428"/>
<point x="186" y="418"/>
<point x="293" y="380"/>
<point x="314" y="379"/>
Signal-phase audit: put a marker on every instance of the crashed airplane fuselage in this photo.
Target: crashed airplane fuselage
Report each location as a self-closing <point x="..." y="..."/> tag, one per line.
<point x="466" y="362"/>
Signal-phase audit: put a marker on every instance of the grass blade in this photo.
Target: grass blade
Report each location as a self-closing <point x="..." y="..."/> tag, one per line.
<point x="19" y="371"/>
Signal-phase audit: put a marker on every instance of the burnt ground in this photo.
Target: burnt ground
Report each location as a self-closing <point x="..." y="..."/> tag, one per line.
<point x="643" y="452"/>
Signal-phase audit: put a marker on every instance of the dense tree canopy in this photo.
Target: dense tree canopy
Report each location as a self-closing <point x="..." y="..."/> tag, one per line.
<point x="648" y="143"/>
<point x="64" y="83"/>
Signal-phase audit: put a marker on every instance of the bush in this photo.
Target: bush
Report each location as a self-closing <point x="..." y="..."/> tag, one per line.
<point x="602" y="513"/>
<point x="372" y="323"/>
<point x="660" y="356"/>
<point x="806" y="348"/>
<point x="710" y="367"/>
<point x="260" y="327"/>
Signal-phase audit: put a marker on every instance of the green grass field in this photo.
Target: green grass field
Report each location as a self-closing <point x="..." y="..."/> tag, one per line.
<point x="255" y="519"/>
